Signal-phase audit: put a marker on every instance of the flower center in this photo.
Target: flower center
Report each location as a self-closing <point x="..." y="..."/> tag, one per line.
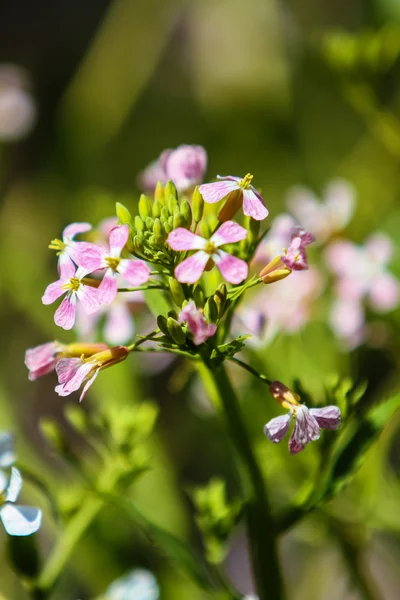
<point x="57" y="245"/>
<point x="210" y="247"/>
<point x="113" y="262"/>
<point x="3" y="497"/>
<point x="73" y="284"/>
<point x="245" y="183"/>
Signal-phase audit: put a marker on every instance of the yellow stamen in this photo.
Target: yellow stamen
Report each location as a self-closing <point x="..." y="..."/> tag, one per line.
<point x="57" y="245"/>
<point x="210" y="247"/>
<point x="113" y="262"/>
<point x="246" y="181"/>
<point x="74" y="284"/>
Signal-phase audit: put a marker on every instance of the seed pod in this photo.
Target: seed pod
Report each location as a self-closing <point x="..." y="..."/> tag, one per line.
<point x="159" y="192"/>
<point x="144" y="207"/>
<point x="159" y="232"/>
<point x="157" y="209"/>
<point x="197" y="205"/>
<point x="149" y="223"/>
<point x="198" y="296"/>
<point x="170" y="190"/>
<point x="162" y="324"/>
<point x="123" y="214"/>
<point x="178" y="221"/>
<point x="176" y="331"/>
<point x="176" y="291"/>
<point x="211" y="310"/>
<point x="186" y="212"/>
<point x="139" y="225"/>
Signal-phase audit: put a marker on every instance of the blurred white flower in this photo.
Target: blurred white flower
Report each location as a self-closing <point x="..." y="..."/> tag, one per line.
<point x="17" y="107"/>
<point x="17" y="520"/>
<point x="138" y="584"/>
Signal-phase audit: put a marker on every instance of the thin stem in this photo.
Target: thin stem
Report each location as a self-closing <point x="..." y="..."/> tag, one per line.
<point x="251" y="370"/>
<point x="262" y="539"/>
<point x="142" y="288"/>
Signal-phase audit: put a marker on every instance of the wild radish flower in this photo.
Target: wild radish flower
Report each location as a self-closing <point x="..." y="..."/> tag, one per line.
<point x="185" y="166"/>
<point x="294" y="258"/>
<point x="43" y="359"/>
<point x="190" y="270"/>
<point x="67" y="247"/>
<point x="72" y="284"/>
<point x="277" y="238"/>
<point x="72" y="372"/>
<point x="198" y="326"/>
<point x="17" y="520"/>
<point x="253" y="203"/>
<point x="308" y="422"/>
<point x="326" y="218"/>
<point x="94" y="257"/>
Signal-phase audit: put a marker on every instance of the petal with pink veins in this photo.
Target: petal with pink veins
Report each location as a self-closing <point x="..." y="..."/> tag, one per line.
<point x="89" y="297"/>
<point x="53" y="292"/>
<point x="216" y="191"/>
<point x="65" y="314"/>
<point x="191" y="269"/>
<point x="228" y="233"/>
<point x="182" y="239"/>
<point x="90" y="256"/>
<point x="72" y="230"/>
<point x="108" y="288"/>
<point x="327" y="417"/>
<point x="253" y="205"/>
<point x="136" y="272"/>
<point x="66" y="368"/>
<point x="277" y="428"/>
<point x="88" y="384"/>
<point x="118" y="237"/>
<point x="233" y="269"/>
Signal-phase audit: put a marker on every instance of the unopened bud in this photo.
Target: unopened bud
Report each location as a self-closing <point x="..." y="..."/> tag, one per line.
<point x="139" y="224"/>
<point x="123" y="214"/>
<point x="159" y="192"/>
<point x="159" y="232"/>
<point x="149" y="222"/>
<point x="176" y="291"/>
<point x="144" y="207"/>
<point x="176" y="331"/>
<point x="198" y="296"/>
<point x="274" y="271"/>
<point x="162" y="324"/>
<point x="157" y="209"/>
<point x="197" y="205"/>
<point x="211" y="310"/>
<point x="284" y="395"/>
<point x="170" y="190"/>
<point x="172" y="205"/>
<point x="220" y="298"/>
<point x="138" y="245"/>
<point x="186" y="211"/>
<point x="178" y="221"/>
<point x="231" y="206"/>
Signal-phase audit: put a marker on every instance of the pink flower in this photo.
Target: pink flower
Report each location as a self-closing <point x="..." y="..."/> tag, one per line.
<point x="295" y="256"/>
<point x="71" y="283"/>
<point x="73" y="372"/>
<point x="67" y="247"/>
<point x="190" y="270"/>
<point x="197" y="323"/>
<point x="185" y="166"/>
<point x="278" y="237"/>
<point x="94" y="257"/>
<point x="253" y="203"/>
<point x="308" y="421"/>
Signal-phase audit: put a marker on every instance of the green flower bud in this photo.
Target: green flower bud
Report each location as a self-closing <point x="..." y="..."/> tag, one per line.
<point x="176" y="331"/>
<point x="211" y="310"/>
<point x="186" y="212"/>
<point x="173" y="314"/>
<point x="157" y="209"/>
<point x="170" y="190"/>
<point x="198" y="296"/>
<point x="159" y="192"/>
<point x="167" y="228"/>
<point x="139" y="224"/>
<point x="220" y="298"/>
<point x="144" y="207"/>
<point x="197" y="205"/>
<point x="178" y="221"/>
<point x="151" y="240"/>
<point x="123" y="214"/>
<point x="149" y="223"/>
<point x="171" y="222"/>
<point x="176" y="291"/>
<point x="172" y="205"/>
<point x="205" y="230"/>
<point x="159" y="232"/>
<point x="138" y="245"/>
<point x="162" y="324"/>
<point x="164" y="214"/>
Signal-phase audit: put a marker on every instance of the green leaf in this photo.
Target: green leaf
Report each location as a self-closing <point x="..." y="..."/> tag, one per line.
<point x="158" y="302"/>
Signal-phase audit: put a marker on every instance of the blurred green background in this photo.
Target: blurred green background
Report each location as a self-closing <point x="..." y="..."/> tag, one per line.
<point x="263" y="88"/>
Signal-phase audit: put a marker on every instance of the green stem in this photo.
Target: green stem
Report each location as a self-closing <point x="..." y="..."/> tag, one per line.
<point x="262" y="539"/>
<point x="142" y="288"/>
<point x="251" y="370"/>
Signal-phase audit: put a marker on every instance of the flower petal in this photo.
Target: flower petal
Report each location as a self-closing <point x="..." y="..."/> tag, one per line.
<point x="14" y="485"/>
<point x="52" y="292"/>
<point x="305" y="430"/>
<point x="191" y="269"/>
<point x="228" y="233"/>
<point x="384" y="292"/>
<point x="76" y="377"/>
<point x="72" y="230"/>
<point x="20" y="520"/>
<point x="233" y="269"/>
<point x="277" y="428"/>
<point x="88" y="384"/>
<point x="89" y="256"/>
<point x="136" y="272"/>
<point x="120" y="326"/>
<point x="118" y="237"/>
<point x="216" y="191"/>
<point x="108" y="288"/>
<point x="182" y="239"/>
<point x="89" y="297"/>
<point x="67" y="368"/>
<point x="253" y="205"/>
<point x="327" y="417"/>
<point x="7" y="451"/>
<point x="65" y="314"/>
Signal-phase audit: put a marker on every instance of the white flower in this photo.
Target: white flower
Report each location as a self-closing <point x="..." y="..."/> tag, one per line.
<point x="139" y="584"/>
<point x="17" y="519"/>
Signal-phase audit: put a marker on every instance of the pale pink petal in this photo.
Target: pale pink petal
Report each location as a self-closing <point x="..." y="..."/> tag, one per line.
<point x="305" y="236"/>
<point x="185" y="166"/>
<point x="119" y="326"/>
<point x="182" y="239"/>
<point x="340" y="202"/>
<point x="384" y="292"/>
<point x="108" y="288"/>
<point x="118" y="238"/>
<point x="88" y="384"/>
<point x="65" y="314"/>
<point x="214" y="192"/>
<point x="52" y="292"/>
<point x="65" y="266"/>
<point x="89" y="297"/>
<point x="67" y="368"/>
<point x="253" y="205"/>
<point x="136" y="272"/>
<point x="228" y="233"/>
<point x="380" y="248"/>
<point x="191" y="269"/>
<point x="327" y="417"/>
<point x="72" y="230"/>
<point x="277" y="428"/>
<point x="347" y="317"/>
<point x="295" y="257"/>
<point x="232" y="269"/>
<point x="90" y="256"/>
<point x="76" y="377"/>
<point x="306" y="430"/>
<point x="42" y="359"/>
<point x="197" y="323"/>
